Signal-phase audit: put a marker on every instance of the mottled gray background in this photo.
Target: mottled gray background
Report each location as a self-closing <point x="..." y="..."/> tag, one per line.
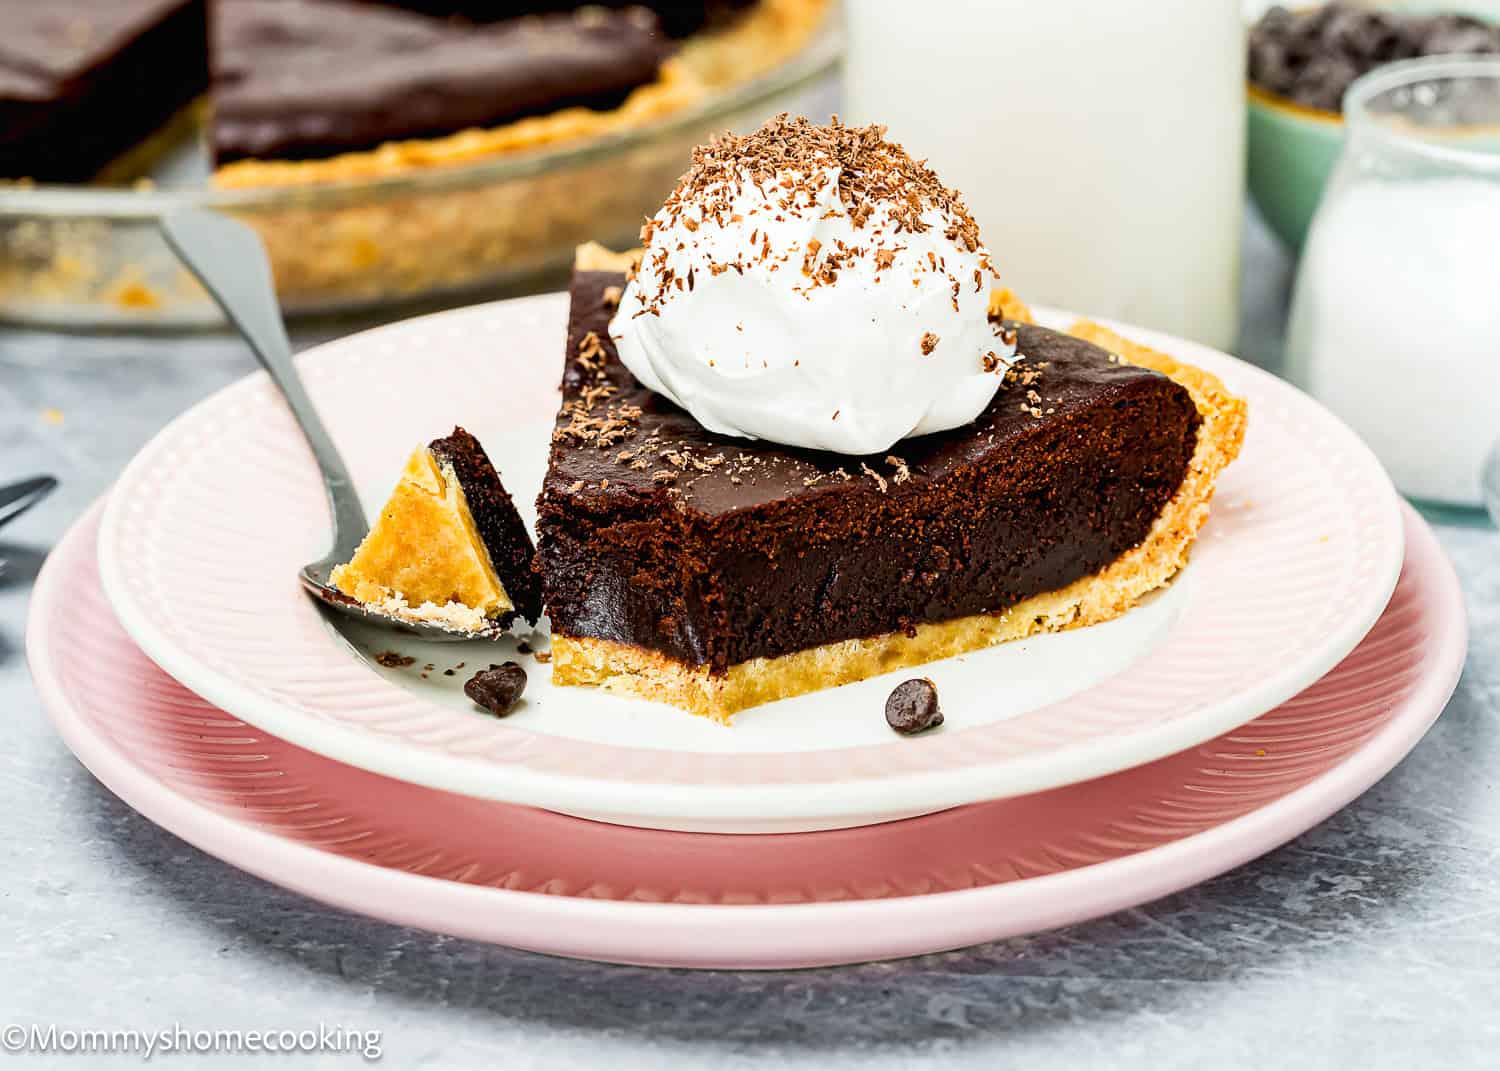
<point x="1372" y="942"/>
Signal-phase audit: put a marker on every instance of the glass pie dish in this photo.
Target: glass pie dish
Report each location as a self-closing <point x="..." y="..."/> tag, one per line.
<point x="90" y="256"/>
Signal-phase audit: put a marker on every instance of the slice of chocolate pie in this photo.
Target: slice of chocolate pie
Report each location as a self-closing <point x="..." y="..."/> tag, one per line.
<point x="449" y="547"/>
<point x="716" y="571"/>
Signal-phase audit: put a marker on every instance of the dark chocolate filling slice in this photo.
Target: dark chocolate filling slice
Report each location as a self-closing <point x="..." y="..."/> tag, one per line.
<point x="714" y="550"/>
<point x="82" y="82"/>
<point x="298" y="79"/>
<point x="678" y="17"/>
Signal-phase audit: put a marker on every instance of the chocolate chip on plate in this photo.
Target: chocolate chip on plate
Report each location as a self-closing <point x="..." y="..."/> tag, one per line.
<point x="913" y="707"/>
<point x="497" y="689"/>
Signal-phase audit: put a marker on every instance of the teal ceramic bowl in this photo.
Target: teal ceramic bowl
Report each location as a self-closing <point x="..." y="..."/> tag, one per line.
<point x="1291" y="151"/>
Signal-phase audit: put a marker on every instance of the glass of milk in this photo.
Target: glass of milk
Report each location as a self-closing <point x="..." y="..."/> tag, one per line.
<point x="1098" y="143"/>
<point x="1396" y="316"/>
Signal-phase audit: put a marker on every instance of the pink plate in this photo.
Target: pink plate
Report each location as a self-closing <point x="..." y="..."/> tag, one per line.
<point x="541" y="881"/>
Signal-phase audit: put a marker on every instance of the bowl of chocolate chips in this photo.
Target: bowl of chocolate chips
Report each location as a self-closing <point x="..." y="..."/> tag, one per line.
<point x="1302" y="60"/>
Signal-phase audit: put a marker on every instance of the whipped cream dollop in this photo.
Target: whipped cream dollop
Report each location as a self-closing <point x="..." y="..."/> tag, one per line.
<point x="816" y="287"/>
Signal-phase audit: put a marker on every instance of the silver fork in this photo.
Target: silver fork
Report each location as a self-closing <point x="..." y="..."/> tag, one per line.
<point x="229" y="260"/>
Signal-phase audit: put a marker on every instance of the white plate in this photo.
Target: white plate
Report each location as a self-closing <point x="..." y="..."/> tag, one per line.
<point x="206" y="529"/>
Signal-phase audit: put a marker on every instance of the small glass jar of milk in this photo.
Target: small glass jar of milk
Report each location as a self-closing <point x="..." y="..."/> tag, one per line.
<point x="1396" y="317"/>
<point x="1099" y="144"/>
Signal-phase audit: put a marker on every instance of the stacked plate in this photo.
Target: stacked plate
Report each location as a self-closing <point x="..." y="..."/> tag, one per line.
<point x="1316" y="635"/>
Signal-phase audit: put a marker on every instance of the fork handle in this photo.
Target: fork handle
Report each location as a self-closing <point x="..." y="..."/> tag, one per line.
<point x="17" y="498"/>
<point x="230" y="262"/>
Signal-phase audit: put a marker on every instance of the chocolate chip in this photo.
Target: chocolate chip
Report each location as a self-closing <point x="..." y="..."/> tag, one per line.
<point x="1456" y="33"/>
<point x="1350" y="33"/>
<point x="497" y="689"/>
<point x="1270" y="66"/>
<point x="913" y="707"/>
<point x="1323" y="81"/>
<point x="1378" y="38"/>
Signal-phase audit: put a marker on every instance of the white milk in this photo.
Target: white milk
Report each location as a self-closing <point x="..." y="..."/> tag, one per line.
<point x="1099" y="143"/>
<point x="1396" y="327"/>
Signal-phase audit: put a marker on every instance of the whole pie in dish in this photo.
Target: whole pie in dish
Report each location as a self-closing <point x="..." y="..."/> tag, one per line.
<point x="716" y="571"/>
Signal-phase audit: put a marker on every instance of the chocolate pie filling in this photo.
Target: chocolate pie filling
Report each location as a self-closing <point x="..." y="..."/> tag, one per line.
<point x="83" y="82"/>
<point x="714" y="550"/>
<point x="296" y="78"/>
<point x="495" y="518"/>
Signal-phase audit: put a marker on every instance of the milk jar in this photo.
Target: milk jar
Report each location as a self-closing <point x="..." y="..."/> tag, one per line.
<point x="1396" y="318"/>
